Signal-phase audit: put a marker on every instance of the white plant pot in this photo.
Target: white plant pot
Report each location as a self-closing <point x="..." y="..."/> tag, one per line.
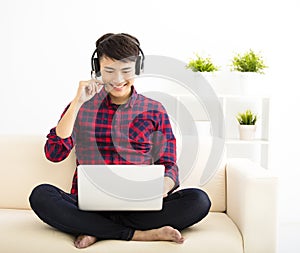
<point x="247" y="132"/>
<point x="253" y="84"/>
<point x="223" y="83"/>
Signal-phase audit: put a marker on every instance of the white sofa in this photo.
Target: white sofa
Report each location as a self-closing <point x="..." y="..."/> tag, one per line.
<point x="242" y="217"/>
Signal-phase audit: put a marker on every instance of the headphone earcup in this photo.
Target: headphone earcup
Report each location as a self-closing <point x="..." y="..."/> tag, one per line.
<point x="138" y="67"/>
<point x="97" y="67"/>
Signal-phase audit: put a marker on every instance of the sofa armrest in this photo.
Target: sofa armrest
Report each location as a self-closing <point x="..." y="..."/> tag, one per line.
<point x="252" y="204"/>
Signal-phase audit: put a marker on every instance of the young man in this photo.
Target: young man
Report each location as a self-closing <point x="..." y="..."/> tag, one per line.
<point x="88" y="123"/>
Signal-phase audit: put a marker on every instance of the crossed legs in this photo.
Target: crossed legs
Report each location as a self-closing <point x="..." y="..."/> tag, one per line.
<point x="180" y="210"/>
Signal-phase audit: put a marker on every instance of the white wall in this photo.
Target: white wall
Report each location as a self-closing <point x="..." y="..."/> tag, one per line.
<point x="46" y="48"/>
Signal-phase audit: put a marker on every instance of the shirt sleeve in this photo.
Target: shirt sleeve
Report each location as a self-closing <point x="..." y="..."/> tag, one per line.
<point x="57" y="149"/>
<point x="164" y="147"/>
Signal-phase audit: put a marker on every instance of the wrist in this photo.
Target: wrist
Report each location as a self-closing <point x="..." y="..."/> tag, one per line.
<point x="77" y="101"/>
<point x="168" y="185"/>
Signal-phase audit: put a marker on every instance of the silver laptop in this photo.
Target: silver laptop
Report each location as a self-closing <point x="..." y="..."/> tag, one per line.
<point x="120" y="187"/>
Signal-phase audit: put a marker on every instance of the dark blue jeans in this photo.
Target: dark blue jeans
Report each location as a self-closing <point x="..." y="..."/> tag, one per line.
<point x="60" y="210"/>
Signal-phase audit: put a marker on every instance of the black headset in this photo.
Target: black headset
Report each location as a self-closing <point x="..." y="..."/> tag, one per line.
<point x="139" y="64"/>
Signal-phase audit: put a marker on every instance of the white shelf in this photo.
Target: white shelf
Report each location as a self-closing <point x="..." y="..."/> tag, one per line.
<point x="252" y="142"/>
<point x="257" y="149"/>
<point x="242" y="96"/>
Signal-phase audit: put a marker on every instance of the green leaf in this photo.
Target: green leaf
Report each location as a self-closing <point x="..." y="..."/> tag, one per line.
<point x="246" y="118"/>
<point x="201" y="64"/>
<point x="248" y="62"/>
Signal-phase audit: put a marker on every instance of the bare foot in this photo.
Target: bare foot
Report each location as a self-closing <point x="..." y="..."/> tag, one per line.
<point x="84" y="241"/>
<point x="166" y="233"/>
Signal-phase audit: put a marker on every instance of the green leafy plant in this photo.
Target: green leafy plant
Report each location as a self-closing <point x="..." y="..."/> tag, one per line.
<point x="247" y="118"/>
<point x="201" y="64"/>
<point x="248" y="62"/>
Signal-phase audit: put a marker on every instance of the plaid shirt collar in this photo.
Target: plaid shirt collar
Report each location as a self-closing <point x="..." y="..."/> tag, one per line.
<point x="104" y="96"/>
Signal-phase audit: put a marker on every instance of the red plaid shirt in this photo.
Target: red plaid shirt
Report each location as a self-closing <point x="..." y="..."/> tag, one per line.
<point x="138" y="132"/>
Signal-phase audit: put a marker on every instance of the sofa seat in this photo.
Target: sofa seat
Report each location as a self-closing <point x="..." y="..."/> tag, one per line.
<point x="22" y="231"/>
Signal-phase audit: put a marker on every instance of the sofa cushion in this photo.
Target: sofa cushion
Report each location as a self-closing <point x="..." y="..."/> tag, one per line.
<point x="23" y="166"/>
<point x="216" y="186"/>
<point x="216" y="233"/>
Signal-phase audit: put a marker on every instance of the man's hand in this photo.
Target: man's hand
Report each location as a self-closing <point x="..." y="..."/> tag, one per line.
<point x="168" y="185"/>
<point x="87" y="90"/>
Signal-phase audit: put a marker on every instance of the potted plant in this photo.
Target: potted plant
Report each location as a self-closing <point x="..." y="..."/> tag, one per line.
<point x="208" y="70"/>
<point x="202" y="64"/>
<point x="251" y="67"/>
<point x="247" y="125"/>
<point x="248" y="62"/>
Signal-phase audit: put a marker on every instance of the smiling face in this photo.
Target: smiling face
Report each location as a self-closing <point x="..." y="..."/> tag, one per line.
<point x="118" y="75"/>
